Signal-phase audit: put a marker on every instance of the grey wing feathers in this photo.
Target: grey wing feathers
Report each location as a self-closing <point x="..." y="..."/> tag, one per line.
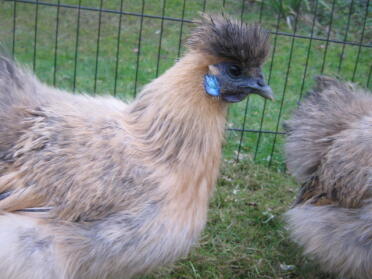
<point x="330" y="137"/>
<point x="5" y="194"/>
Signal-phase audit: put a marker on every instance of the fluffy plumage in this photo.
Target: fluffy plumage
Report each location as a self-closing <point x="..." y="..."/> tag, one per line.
<point x="329" y="151"/>
<point x="91" y="187"/>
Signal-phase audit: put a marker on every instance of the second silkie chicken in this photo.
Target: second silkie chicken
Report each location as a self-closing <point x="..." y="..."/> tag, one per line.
<point x="329" y="151"/>
<point x="91" y="187"/>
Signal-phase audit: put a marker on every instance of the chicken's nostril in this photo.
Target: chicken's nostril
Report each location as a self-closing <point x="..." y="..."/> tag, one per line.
<point x="261" y="83"/>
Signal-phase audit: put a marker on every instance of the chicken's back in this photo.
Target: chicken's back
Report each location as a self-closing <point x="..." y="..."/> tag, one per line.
<point x="22" y="96"/>
<point x="59" y="150"/>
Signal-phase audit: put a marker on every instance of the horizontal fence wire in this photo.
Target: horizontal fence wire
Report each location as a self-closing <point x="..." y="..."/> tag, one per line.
<point x="242" y="131"/>
<point x="177" y="20"/>
<point x="255" y="131"/>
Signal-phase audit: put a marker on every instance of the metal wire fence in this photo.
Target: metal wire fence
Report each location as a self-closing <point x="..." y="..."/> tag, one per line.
<point x="117" y="46"/>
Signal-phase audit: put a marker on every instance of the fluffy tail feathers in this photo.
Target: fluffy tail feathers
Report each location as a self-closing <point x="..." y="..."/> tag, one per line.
<point x="340" y="238"/>
<point x="17" y="85"/>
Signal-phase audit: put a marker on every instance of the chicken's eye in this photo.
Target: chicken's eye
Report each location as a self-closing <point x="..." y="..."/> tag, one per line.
<point x="234" y="71"/>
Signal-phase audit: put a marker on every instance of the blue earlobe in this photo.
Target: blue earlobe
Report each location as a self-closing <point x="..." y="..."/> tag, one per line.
<point x="211" y="85"/>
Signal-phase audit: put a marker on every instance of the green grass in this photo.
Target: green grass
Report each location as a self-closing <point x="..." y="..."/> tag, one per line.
<point x="240" y="241"/>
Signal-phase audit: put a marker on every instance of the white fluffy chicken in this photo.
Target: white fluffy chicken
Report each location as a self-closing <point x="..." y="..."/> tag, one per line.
<point x="93" y="188"/>
<point x="329" y="151"/>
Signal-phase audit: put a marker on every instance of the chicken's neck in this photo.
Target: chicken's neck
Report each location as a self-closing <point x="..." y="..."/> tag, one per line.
<point x="178" y="130"/>
<point x="175" y="120"/>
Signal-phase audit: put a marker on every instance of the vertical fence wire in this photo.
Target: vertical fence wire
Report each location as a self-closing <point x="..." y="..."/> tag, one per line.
<point x="98" y="45"/>
<point x="76" y="46"/>
<point x="14" y="27"/>
<point x="139" y="47"/>
<point x="242" y="10"/>
<point x="204" y="5"/>
<point x="35" y="34"/>
<point x="118" y="47"/>
<point x="361" y="41"/>
<point x="268" y="80"/>
<point x="328" y="37"/>
<point x="160" y="38"/>
<point x="284" y="91"/>
<point x="259" y="134"/>
<point x="345" y="36"/>
<point x="245" y="109"/>
<point x="315" y="11"/>
<point x="261" y="12"/>
<point x="181" y="28"/>
<point x="56" y="44"/>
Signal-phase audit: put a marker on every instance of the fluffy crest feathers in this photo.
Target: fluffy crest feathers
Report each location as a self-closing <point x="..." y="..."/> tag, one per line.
<point x="230" y="39"/>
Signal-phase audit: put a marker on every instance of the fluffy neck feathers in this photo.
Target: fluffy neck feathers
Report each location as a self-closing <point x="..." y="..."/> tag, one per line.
<point x="175" y="119"/>
<point x="180" y="89"/>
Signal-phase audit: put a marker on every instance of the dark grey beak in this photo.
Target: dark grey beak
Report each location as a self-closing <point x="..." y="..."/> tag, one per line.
<point x="257" y="86"/>
<point x="245" y="86"/>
